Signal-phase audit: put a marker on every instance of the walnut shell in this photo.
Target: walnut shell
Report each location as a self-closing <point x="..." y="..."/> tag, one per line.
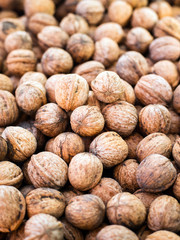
<point x="176" y="97"/>
<point x="146" y="197"/>
<point x="26" y="189"/>
<point x="164" y="214"/>
<point x="110" y="148"/>
<point x="162" y="8"/>
<point x="126" y="209"/>
<point x="175" y="151"/>
<point x="155" y="173"/>
<point x="12" y="208"/>
<point x="21" y="143"/>
<point x="81" y="166"/>
<point x="132" y="141"/>
<point x="70" y="232"/>
<point x="85" y="212"/>
<point x="25" y="173"/>
<point x="3" y="148"/>
<point x="32" y="6"/>
<point x="69" y="192"/>
<point x="92" y="100"/>
<point x="33" y="76"/>
<point x="175" y="122"/>
<point x="176" y="187"/>
<point x="129" y="95"/>
<point x="162" y="235"/>
<point x="6" y="83"/>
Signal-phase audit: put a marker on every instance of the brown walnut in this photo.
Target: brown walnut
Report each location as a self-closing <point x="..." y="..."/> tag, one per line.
<point x="162" y="235"/>
<point x="33" y="76"/>
<point x="176" y="99"/>
<point x="6" y="83"/>
<point x="132" y="141"/>
<point x="70" y="232"/>
<point x="146" y="197"/>
<point x="32" y="6"/>
<point x="3" y="148"/>
<point x="175" y="151"/>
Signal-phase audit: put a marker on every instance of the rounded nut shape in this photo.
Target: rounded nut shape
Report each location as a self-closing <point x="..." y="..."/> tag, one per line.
<point x="162" y="235"/>
<point x="164" y="214"/>
<point x="50" y="87"/>
<point x="108" y="87"/>
<point x="116" y="232"/>
<point x="110" y="148"/>
<point x="67" y="145"/>
<point x="176" y="150"/>
<point x="10" y="174"/>
<point x="157" y="143"/>
<point x="87" y="120"/>
<point x="45" y="200"/>
<point x="132" y="141"/>
<point x="8" y="109"/>
<point x="70" y="232"/>
<point x="146" y="197"/>
<point x="162" y="8"/>
<point x="81" y="166"/>
<point x="6" y="83"/>
<point x="51" y="120"/>
<point x="41" y="6"/>
<point x="3" y="148"/>
<point x="69" y="192"/>
<point x="12" y="208"/>
<point x="156" y="173"/>
<point x="46" y="169"/>
<point x="34" y="76"/>
<point x="176" y="99"/>
<point x="21" y="143"/>
<point x="126" y="209"/>
<point x="71" y="91"/>
<point x="43" y="226"/>
<point x="129" y="95"/>
<point x="56" y="60"/>
<point x="154" y="118"/>
<point x="85" y="212"/>
<point x="120" y="117"/>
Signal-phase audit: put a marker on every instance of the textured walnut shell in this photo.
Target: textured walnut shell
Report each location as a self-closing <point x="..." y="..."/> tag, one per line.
<point x="120" y="117"/>
<point x="69" y="192"/>
<point x="173" y="138"/>
<point x="164" y="213"/>
<point x="67" y="145"/>
<point x="44" y="226"/>
<point x="146" y="197"/>
<point x="157" y="143"/>
<point x="114" y="232"/>
<point x="125" y="174"/>
<point x="71" y="91"/>
<point x="175" y="122"/>
<point x="10" y="174"/>
<point x="85" y="212"/>
<point x="8" y="108"/>
<point x="12" y="208"/>
<point x="176" y="187"/>
<point x="154" y="118"/>
<point x="132" y="141"/>
<point x="131" y="66"/>
<point x="162" y="8"/>
<point x="110" y="148"/>
<point x="70" y="232"/>
<point x="26" y="189"/>
<point x="30" y="96"/>
<point x="5" y="83"/>
<point x="176" y="99"/>
<point x="162" y="235"/>
<point x="49" y="145"/>
<point x="126" y="209"/>
<point x="45" y="200"/>
<point x="18" y="234"/>
<point x="81" y="166"/>
<point x="129" y="95"/>
<point x="87" y="120"/>
<point x="92" y="100"/>
<point x="46" y="169"/>
<point x="155" y="173"/>
<point x="3" y="148"/>
<point x="176" y="150"/>
<point x="106" y="189"/>
<point x="21" y="143"/>
<point x="32" y="6"/>
<point x="33" y="76"/>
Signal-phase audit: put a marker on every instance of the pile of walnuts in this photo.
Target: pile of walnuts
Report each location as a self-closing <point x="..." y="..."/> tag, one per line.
<point x="89" y="120"/>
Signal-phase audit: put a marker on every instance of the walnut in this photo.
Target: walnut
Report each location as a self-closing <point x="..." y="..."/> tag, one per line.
<point x="175" y="151"/>
<point x="155" y="173"/>
<point x="129" y="95"/>
<point x="92" y="100"/>
<point x="18" y="234"/>
<point x="85" y="212"/>
<point x="46" y="169"/>
<point x="162" y="235"/>
<point x="176" y="187"/>
<point x="25" y="172"/>
<point x="110" y="148"/>
<point x="175" y="122"/>
<point x="132" y="141"/>
<point x="162" y="8"/>
<point x="69" y="192"/>
<point x="6" y="83"/>
<point x="3" y="148"/>
<point x="173" y="138"/>
<point x="143" y="232"/>
<point x="126" y="209"/>
<point x="70" y="232"/>
<point x="176" y="98"/>
<point x="81" y="166"/>
<point x="137" y="3"/>
<point x="33" y="76"/>
<point x="26" y="189"/>
<point x="164" y="214"/>
<point x="146" y="197"/>
<point x="12" y="208"/>
<point x="49" y="145"/>
<point x="32" y="6"/>
<point x="44" y="226"/>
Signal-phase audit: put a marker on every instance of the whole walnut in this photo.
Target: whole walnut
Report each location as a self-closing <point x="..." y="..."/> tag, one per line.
<point x="137" y="3"/>
<point x="33" y="76"/>
<point x="175" y="151"/>
<point x="106" y="189"/>
<point x="155" y="173"/>
<point x="3" y="148"/>
<point x="162" y="8"/>
<point x="125" y="174"/>
<point x="43" y="226"/>
<point x="70" y="232"/>
<point x="12" y="208"/>
<point x="126" y="209"/>
<point x="56" y="60"/>
<point x="132" y="141"/>
<point x="162" y="235"/>
<point x="164" y="214"/>
<point x="21" y="143"/>
<point x="146" y="197"/>
<point x="81" y="166"/>
<point x="129" y="95"/>
<point x="154" y="143"/>
<point x="120" y="117"/>
<point x="110" y="148"/>
<point x="69" y="192"/>
<point x="32" y="6"/>
<point x="71" y="91"/>
<point x="114" y="232"/>
<point x="67" y="145"/>
<point x="30" y="96"/>
<point x="85" y="212"/>
<point x="154" y="118"/>
<point x="176" y="98"/>
<point x="6" y="83"/>
<point x="131" y="66"/>
<point x="176" y="187"/>
<point x="45" y="200"/>
<point x="157" y="46"/>
<point x="87" y="120"/>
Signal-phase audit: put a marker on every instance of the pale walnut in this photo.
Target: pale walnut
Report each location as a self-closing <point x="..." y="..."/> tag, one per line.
<point x="162" y="235"/>
<point x="6" y="83"/>
<point x="162" y="8"/>
<point x="33" y="76"/>
<point x="32" y="6"/>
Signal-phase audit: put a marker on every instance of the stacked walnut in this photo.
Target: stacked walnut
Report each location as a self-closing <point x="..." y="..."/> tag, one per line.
<point x="89" y="119"/>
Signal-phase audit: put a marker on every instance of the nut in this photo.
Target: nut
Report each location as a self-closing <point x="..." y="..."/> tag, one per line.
<point x="18" y="234"/>
<point x="6" y="83"/>
<point x="175" y="151"/>
<point x="70" y="232"/>
<point x="92" y="100"/>
<point x="129" y="95"/>
<point x="162" y="8"/>
<point x="132" y="141"/>
<point x="69" y="192"/>
<point x="33" y="76"/>
<point x="176" y="187"/>
<point x="175" y="123"/>
<point x="32" y="6"/>
<point x="3" y="148"/>
<point x="146" y="197"/>
<point x="26" y="189"/>
<point x="162" y="235"/>
<point x="176" y="97"/>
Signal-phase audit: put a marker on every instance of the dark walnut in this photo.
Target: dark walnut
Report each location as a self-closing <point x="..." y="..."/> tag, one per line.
<point x="176" y="99"/>
<point x="110" y="148"/>
<point x="125" y="174"/>
<point x="85" y="212"/>
<point x="67" y="145"/>
<point x="70" y="232"/>
<point x="12" y="210"/>
<point x="69" y="192"/>
<point x="33" y="76"/>
<point x="176" y="150"/>
<point x="3" y="148"/>
<point x="132" y="141"/>
<point x="164" y="214"/>
<point x="32" y="6"/>
<point x="156" y="173"/>
<point x="154" y="118"/>
<point x="176" y="187"/>
<point x="131" y="66"/>
<point x="146" y="197"/>
<point x="81" y="166"/>
<point x="126" y="209"/>
<point x="162" y="235"/>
